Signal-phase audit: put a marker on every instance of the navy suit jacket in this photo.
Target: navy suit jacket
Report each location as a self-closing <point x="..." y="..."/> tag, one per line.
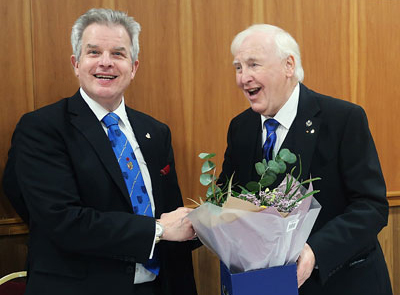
<point x="338" y="147"/>
<point x="84" y="237"/>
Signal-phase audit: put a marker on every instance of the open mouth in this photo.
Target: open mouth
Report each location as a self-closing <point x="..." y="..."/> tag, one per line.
<point x="253" y="91"/>
<point x="105" y="77"/>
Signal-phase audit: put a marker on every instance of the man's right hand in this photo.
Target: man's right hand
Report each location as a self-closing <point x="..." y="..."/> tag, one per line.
<point x="177" y="227"/>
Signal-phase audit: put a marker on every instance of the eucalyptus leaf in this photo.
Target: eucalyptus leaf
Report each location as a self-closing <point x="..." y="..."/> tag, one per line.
<point x="268" y="179"/>
<point x="282" y="165"/>
<point x="253" y="186"/>
<point x="260" y="168"/>
<point x="209" y="192"/>
<point x="205" y="179"/>
<point x="287" y="156"/>
<point x="273" y="167"/>
<point x="207" y="166"/>
<point x="206" y="156"/>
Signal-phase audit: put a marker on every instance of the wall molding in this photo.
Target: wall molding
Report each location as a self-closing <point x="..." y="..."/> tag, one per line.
<point x="393" y="198"/>
<point x="16" y="226"/>
<point x="12" y="226"/>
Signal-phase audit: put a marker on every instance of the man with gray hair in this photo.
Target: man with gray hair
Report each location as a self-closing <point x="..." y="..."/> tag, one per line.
<point x="95" y="180"/>
<point x="332" y="137"/>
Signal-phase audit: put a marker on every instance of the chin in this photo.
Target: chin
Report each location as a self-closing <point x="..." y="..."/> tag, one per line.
<point x="258" y="108"/>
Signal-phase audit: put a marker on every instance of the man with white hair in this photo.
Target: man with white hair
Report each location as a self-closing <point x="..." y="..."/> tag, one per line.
<point x="96" y="180"/>
<point x="332" y="137"/>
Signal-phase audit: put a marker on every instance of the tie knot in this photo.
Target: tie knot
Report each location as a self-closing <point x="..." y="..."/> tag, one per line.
<point x="110" y="119"/>
<point x="271" y="125"/>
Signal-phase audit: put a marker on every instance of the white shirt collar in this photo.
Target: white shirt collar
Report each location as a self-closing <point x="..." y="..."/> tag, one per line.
<point x="288" y="112"/>
<point x="100" y="112"/>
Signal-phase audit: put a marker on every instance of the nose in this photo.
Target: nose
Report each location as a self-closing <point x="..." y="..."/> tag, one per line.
<point x="105" y="60"/>
<point x="244" y="77"/>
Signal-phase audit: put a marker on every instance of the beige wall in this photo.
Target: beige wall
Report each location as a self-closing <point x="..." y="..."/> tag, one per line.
<point x="186" y="79"/>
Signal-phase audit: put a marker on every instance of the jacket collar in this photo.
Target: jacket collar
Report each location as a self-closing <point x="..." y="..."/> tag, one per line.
<point x="302" y="136"/>
<point x="83" y="119"/>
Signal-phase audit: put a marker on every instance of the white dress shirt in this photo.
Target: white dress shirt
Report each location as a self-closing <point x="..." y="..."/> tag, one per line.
<point x="142" y="274"/>
<point x="285" y="117"/>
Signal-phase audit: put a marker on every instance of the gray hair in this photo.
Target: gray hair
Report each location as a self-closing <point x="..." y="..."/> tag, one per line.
<point x="107" y="17"/>
<point x="285" y="44"/>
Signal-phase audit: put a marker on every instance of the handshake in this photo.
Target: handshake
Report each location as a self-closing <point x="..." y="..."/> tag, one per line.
<point x="177" y="227"/>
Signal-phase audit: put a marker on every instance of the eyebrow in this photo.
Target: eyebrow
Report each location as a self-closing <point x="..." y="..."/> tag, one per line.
<point x="120" y="48"/>
<point x="247" y="60"/>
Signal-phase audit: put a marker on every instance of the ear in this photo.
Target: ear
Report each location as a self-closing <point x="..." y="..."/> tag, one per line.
<point x="75" y="64"/>
<point x="289" y="66"/>
<point x="135" y="67"/>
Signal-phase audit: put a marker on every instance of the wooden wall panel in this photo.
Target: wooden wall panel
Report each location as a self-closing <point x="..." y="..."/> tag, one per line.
<point x="187" y="80"/>
<point x="389" y="238"/>
<point x="52" y="22"/>
<point x="379" y="26"/>
<point x="13" y="251"/>
<point x="16" y="80"/>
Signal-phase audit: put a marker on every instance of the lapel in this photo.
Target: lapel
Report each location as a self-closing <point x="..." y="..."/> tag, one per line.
<point x="251" y="139"/>
<point x="146" y="137"/>
<point x="83" y="119"/>
<point x="302" y="136"/>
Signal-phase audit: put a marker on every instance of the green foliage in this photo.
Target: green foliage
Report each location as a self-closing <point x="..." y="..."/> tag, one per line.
<point x="267" y="171"/>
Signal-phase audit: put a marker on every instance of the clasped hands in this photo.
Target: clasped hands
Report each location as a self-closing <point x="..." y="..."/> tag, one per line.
<point x="177" y="227"/>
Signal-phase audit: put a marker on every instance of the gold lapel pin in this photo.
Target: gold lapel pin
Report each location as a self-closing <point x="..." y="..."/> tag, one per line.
<point x="148" y="135"/>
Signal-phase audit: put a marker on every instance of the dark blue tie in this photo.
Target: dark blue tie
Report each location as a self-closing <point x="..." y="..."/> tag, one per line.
<point x="131" y="172"/>
<point x="270" y="125"/>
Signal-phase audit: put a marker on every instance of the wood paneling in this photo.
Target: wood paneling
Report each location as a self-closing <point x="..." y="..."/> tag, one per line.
<point x="52" y="22"/>
<point x="186" y="79"/>
<point x="16" y="79"/>
<point x="389" y="238"/>
<point x="13" y="251"/>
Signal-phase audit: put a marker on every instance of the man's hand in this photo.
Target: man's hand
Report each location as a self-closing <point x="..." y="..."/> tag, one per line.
<point x="305" y="264"/>
<point x="176" y="226"/>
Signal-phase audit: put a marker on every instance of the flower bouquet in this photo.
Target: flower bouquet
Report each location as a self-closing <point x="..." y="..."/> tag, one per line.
<point x="256" y="227"/>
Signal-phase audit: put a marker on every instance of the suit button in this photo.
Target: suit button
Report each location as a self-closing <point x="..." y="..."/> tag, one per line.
<point x="130" y="269"/>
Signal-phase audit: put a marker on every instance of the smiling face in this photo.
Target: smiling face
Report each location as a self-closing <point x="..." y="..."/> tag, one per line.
<point x="105" y="68"/>
<point x="266" y="80"/>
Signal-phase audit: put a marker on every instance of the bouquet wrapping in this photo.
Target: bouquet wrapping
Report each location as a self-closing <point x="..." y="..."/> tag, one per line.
<point x="248" y="237"/>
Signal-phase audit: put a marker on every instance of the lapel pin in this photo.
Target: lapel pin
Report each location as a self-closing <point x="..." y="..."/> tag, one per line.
<point x="308" y="123"/>
<point x="312" y="131"/>
<point x="165" y="170"/>
<point x="148" y="135"/>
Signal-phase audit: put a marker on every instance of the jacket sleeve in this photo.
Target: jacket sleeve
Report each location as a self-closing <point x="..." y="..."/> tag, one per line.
<point x="48" y="183"/>
<point x="352" y="234"/>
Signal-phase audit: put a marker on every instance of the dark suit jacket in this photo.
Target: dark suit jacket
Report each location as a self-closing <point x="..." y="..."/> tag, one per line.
<point x="84" y="237"/>
<point x="339" y="148"/>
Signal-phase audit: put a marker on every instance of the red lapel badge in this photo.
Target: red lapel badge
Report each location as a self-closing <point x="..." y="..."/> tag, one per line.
<point x="165" y="170"/>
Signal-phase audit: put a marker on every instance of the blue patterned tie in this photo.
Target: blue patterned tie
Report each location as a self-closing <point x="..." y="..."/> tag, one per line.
<point x="131" y="172"/>
<point x="270" y="125"/>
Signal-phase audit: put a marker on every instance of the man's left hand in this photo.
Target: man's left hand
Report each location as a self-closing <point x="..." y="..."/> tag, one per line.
<point x="305" y="264"/>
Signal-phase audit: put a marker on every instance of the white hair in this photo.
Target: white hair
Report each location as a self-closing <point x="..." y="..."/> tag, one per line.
<point x="285" y="44"/>
<point x="107" y="17"/>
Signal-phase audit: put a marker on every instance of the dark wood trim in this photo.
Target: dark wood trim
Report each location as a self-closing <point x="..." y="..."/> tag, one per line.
<point x="12" y="226"/>
<point x="15" y="226"/>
